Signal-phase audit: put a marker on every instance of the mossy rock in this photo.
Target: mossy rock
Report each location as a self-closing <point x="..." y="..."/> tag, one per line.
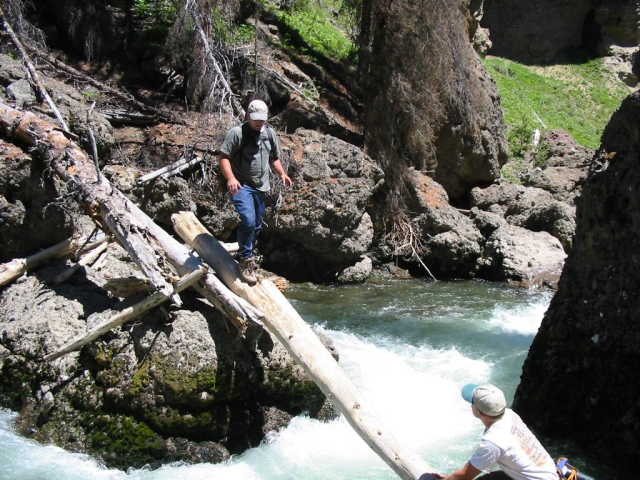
<point x="288" y="391"/>
<point x="15" y="382"/>
<point x="123" y="441"/>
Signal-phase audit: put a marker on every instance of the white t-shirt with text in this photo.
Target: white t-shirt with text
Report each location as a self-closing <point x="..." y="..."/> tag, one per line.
<point x="510" y="445"/>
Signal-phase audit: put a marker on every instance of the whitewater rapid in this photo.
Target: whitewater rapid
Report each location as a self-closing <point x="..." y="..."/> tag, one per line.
<point x="409" y="363"/>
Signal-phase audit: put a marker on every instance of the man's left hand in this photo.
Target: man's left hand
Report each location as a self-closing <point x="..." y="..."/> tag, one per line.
<point x="286" y="181"/>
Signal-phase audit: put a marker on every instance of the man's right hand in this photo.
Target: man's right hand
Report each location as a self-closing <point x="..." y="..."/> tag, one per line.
<point x="233" y="186"/>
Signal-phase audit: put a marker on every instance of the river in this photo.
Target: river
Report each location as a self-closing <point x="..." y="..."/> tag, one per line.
<point x="408" y="345"/>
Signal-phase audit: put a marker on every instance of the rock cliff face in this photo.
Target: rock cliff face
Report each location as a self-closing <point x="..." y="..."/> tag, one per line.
<point x="579" y="380"/>
<point x="538" y="30"/>
<point x="430" y="104"/>
<point x="322" y="225"/>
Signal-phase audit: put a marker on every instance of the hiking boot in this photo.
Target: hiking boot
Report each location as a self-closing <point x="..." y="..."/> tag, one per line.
<point x="248" y="269"/>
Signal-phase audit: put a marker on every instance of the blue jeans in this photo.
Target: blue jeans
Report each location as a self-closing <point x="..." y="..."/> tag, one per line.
<point x="249" y="203"/>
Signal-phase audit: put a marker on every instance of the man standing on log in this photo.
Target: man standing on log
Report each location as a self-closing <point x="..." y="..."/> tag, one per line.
<point x="248" y="152"/>
<point x="507" y="443"/>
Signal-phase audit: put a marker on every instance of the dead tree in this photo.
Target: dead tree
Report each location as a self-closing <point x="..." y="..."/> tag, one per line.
<point x="208" y="73"/>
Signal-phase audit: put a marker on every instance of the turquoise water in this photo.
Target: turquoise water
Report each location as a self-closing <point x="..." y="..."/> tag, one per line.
<point x="408" y="346"/>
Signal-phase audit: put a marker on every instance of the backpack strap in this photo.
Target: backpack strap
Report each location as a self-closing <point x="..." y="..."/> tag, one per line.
<point x="272" y="138"/>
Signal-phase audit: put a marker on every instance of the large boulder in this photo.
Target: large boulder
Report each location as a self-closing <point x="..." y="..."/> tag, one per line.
<point x="322" y="224"/>
<point x="577" y="381"/>
<point x="522" y="257"/>
<point x="535" y="30"/>
<point x="177" y="385"/>
<point x="430" y="104"/>
<point x="529" y="207"/>
<point x="436" y="235"/>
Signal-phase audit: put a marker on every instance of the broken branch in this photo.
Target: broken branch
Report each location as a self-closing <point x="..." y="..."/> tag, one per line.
<point x="127" y="314"/>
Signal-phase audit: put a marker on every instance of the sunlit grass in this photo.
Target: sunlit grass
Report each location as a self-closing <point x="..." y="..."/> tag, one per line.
<point x="577" y="97"/>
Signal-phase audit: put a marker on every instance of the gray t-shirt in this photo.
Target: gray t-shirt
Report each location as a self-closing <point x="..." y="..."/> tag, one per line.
<point x="511" y="446"/>
<point x="251" y="153"/>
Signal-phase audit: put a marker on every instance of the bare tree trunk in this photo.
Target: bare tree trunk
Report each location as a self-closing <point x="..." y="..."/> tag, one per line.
<point x="18" y="266"/>
<point x="86" y="260"/>
<point x="305" y="347"/>
<point x="105" y="204"/>
<point x="172" y="169"/>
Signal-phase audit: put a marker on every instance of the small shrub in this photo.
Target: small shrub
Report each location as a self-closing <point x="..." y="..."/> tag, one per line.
<point x="92" y="95"/>
<point x="156" y="16"/>
<point x="542" y="154"/>
<point x="519" y="136"/>
<point x="512" y="171"/>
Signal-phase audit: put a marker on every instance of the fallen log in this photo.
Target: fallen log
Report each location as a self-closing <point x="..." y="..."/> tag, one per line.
<point x="172" y="169"/>
<point x="153" y="249"/>
<point x="17" y="267"/>
<point x="127" y="314"/>
<point x="305" y="347"/>
<point x="105" y="204"/>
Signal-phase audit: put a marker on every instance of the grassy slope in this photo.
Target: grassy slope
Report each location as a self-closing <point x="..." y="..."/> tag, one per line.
<point x="319" y="27"/>
<point x="577" y="97"/>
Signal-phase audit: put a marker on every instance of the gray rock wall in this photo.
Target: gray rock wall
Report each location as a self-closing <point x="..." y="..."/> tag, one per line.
<point x="539" y="30"/>
<point x="580" y="378"/>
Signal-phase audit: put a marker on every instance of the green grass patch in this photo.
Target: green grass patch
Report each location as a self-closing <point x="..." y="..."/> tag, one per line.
<point x="577" y="97"/>
<point x="318" y="27"/>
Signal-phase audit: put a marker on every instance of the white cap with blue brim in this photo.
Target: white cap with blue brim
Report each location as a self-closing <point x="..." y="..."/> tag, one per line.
<point x="487" y="398"/>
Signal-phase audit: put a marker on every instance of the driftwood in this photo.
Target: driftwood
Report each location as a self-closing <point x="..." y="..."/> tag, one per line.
<point x="33" y="73"/>
<point x="172" y="169"/>
<point x="153" y="249"/>
<point x="303" y="344"/>
<point x="17" y="267"/>
<point x="127" y="314"/>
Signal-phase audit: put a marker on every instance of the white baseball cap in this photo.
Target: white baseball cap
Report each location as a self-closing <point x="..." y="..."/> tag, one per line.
<point x="258" y="110"/>
<point x="487" y="398"/>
